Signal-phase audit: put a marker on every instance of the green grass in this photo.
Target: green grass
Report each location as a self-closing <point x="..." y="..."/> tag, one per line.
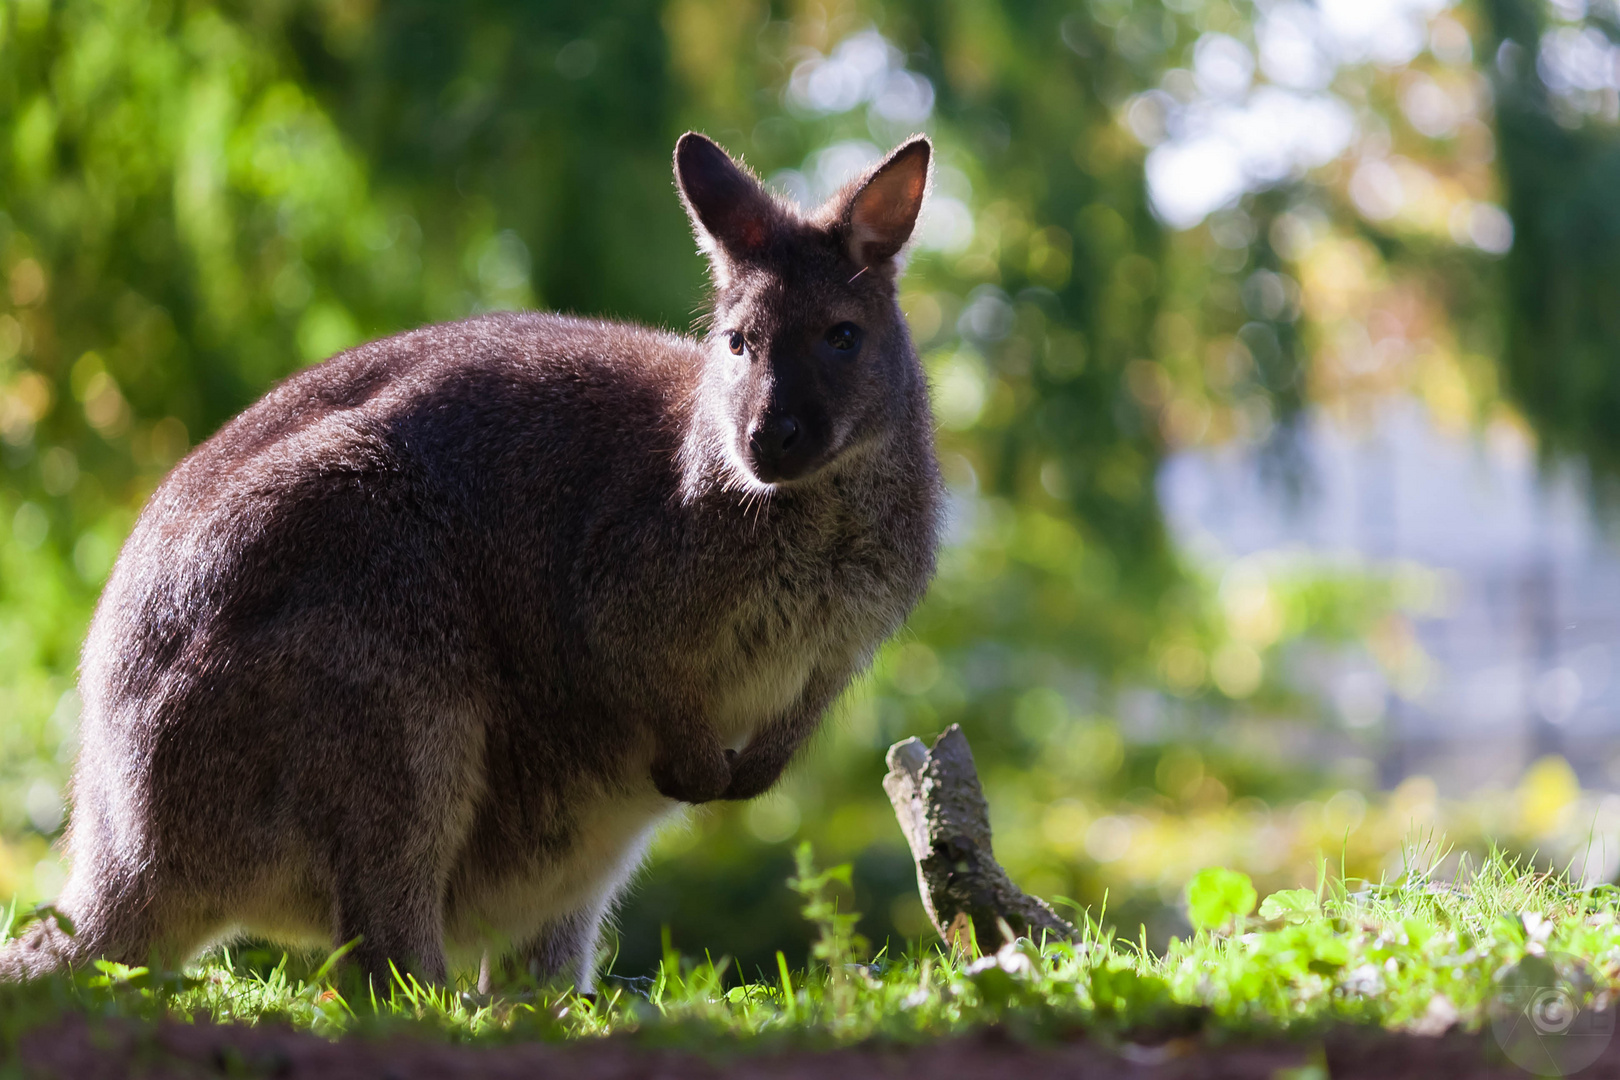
<point x="1412" y="953"/>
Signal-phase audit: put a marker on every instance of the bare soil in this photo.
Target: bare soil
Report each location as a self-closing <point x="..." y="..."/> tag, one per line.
<point x="81" y="1049"/>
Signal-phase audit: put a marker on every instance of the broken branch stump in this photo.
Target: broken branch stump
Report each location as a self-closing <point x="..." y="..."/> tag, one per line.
<point x="941" y="808"/>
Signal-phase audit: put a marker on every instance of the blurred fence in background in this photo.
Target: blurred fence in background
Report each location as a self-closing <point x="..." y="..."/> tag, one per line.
<point x="1508" y="655"/>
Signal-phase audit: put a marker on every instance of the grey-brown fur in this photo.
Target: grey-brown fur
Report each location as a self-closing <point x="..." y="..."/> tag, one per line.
<point x="420" y="647"/>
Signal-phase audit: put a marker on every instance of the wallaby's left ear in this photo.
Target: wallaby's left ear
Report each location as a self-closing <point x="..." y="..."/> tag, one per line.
<point x="883" y="209"/>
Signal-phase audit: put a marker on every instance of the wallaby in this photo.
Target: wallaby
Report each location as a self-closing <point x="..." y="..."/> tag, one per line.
<point x="419" y="649"/>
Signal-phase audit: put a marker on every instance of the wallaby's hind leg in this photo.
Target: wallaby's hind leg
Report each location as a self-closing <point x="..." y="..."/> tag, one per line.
<point x="565" y="948"/>
<point x="390" y="831"/>
<point x="390" y="898"/>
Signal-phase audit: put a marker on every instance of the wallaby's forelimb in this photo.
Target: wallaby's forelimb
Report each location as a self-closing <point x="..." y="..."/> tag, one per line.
<point x="690" y="765"/>
<point x="761" y="762"/>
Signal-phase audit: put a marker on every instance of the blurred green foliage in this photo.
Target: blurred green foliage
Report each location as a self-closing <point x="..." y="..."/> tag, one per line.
<point x="1218" y="896"/>
<point x="1561" y="171"/>
<point x="197" y="198"/>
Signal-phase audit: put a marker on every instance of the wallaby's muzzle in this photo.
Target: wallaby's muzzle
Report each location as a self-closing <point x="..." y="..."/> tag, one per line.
<point x="779" y="448"/>
<point x="776" y="446"/>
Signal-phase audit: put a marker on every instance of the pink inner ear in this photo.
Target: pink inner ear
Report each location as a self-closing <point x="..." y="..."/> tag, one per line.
<point x="906" y="201"/>
<point x="885" y="211"/>
<point x="888" y="201"/>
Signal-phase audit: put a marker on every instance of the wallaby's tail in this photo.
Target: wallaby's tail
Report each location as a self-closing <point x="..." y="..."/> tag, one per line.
<point x="42" y="948"/>
<point x="98" y="915"/>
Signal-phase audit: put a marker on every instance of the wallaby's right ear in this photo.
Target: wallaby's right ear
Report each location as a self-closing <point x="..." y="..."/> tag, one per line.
<point x="732" y="214"/>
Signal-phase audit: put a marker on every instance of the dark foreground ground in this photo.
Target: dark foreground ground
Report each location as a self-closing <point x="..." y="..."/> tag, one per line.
<point x="77" y="1049"/>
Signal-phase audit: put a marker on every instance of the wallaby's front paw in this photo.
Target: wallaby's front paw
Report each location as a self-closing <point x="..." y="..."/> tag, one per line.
<point x="750" y="778"/>
<point x="698" y="775"/>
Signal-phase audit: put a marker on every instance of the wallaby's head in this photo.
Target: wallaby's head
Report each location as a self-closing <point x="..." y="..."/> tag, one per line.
<point x="809" y="360"/>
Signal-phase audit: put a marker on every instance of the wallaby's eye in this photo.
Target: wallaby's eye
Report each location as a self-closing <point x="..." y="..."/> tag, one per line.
<point x="845" y="337"/>
<point x="737" y="343"/>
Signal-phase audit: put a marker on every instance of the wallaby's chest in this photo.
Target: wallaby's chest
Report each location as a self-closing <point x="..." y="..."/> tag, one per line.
<point x="758" y="691"/>
<point x="807" y="613"/>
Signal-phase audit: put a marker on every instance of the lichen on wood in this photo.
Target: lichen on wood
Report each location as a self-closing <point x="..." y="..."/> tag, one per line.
<point x="941" y="809"/>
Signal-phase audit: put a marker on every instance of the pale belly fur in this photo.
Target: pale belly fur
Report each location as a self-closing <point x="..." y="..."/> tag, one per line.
<point x="609" y="843"/>
<point x="612" y="833"/>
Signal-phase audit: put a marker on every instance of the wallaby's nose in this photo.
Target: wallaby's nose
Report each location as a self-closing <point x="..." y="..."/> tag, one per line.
<point x="773" y="442"/>
<point x="777" y="434"/>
